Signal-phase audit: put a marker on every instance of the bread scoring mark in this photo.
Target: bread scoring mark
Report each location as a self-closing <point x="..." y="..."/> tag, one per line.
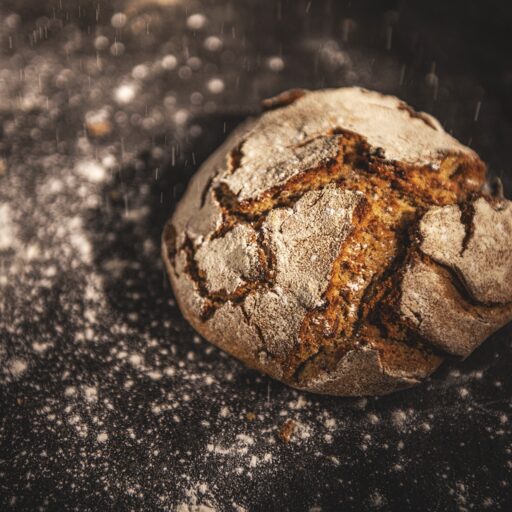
<point x="206" y="190"/>
<point x="283" y="99"/>
<point x="467" y="217"/>
<point x="422" y="116"/>
<point x="235" y="158"/>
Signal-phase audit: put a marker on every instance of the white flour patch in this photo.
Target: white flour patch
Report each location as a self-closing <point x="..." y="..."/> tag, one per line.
<point x="16" y="367"/>
<point x="102" y="437"/>
<point x="92" y="171"/>
<point x="7" y="229"/>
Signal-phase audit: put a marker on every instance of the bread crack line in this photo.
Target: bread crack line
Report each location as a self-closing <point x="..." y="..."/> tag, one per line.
<point x="214" y="300"/>
<point x="355" y="159"/>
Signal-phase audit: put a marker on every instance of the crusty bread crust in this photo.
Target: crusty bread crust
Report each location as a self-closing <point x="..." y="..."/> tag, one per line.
<point x="341" y="243"/>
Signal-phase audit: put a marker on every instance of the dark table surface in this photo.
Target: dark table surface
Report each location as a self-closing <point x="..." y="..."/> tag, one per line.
<point x="108" y="400"/>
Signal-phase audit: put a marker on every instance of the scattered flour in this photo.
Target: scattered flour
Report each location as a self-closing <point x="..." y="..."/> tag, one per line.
<point x="16" y="367"/>
<point x="7" y="228"/>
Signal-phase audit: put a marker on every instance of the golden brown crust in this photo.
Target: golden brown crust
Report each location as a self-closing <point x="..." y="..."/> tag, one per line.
<point x="304" y="250"/>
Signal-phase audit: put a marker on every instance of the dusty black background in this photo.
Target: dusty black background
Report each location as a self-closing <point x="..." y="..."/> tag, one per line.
<point x="445" y="445"/>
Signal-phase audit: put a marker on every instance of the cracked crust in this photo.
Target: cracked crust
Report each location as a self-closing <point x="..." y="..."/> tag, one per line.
<point x="479" y="252"/>
<point x="297" y="136"/>
<point x="342" y="243"/>
<point x="432" y="305"/>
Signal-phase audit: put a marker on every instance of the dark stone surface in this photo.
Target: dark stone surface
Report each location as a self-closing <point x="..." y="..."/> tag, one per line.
<point x="108" y="401"/>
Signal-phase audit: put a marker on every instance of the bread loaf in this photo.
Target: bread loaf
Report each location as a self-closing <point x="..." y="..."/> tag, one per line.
<point x="342" y="243"/>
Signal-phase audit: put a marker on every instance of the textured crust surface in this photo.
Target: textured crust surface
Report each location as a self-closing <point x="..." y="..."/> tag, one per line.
<point x="341" y="243"/>
<point x="300" y="139"/>
<point x="482" y="257"/>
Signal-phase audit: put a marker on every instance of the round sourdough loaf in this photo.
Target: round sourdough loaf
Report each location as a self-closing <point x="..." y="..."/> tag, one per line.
<point x="342" y="243"/>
